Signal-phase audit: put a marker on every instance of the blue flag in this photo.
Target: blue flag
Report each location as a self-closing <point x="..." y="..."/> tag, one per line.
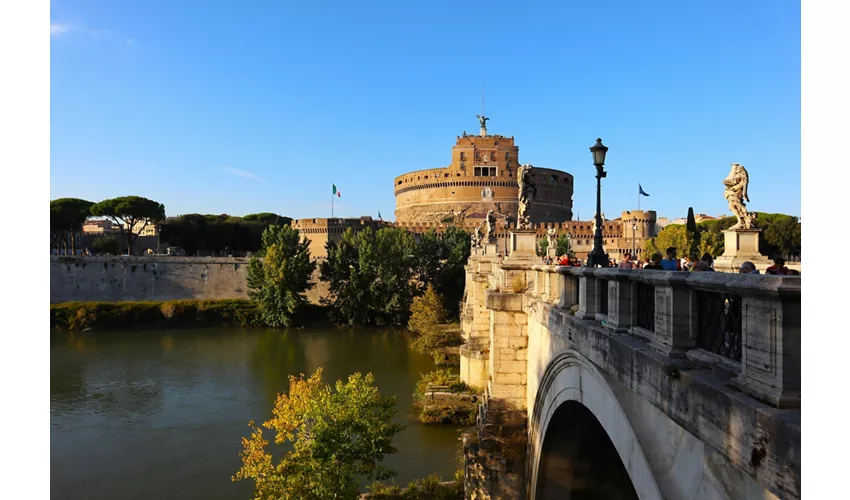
<point x="379" y="216"/>
<point x="641" y="191"/>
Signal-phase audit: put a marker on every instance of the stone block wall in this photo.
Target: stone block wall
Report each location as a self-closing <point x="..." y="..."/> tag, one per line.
<point x="116" y="279"/>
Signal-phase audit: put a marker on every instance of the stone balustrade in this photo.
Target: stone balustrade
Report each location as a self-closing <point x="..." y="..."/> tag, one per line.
<point x="747" y="324"/>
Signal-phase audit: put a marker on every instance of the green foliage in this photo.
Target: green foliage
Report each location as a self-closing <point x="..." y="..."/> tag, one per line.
<point x="267" y="218"/>
<point x="67" y="216"/>
<point x="131" y="213"/>
<point x="427" y="312"/>
<point x="440" y="261"/>
<point x="542" y="246"/>
<point x="277" y="283"/>
<point x="106" y="245"/>
<point x="370" y="276"/>
<point x="77" y="316"/>
<point x="564" y="247"/>
<point x="443" y="377"/>
<point x="216" y="233"/>
<point x="338" y="436"/>
<point x="429" y="488"/>
<point x="780" y="235"/>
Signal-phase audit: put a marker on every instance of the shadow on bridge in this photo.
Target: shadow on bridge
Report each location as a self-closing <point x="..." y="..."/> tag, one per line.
<point x="579" y="461"/>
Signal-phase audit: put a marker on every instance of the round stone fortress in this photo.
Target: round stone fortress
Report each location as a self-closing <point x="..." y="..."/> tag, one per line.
<point x="481" y="177"/>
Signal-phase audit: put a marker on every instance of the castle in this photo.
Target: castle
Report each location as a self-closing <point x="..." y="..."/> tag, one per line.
<point x="482" y="177"/>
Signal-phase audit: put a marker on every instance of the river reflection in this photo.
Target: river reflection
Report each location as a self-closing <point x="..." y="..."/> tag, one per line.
<point x="142" y="415"/>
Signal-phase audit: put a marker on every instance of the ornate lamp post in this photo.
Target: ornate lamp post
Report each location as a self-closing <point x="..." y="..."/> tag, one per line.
<point x="598" y="257"/>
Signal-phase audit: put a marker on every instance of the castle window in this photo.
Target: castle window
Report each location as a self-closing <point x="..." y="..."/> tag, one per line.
<point x="493" y="156"/>
<point x="462" y="156"/>
<point x="508" y="156"/>
<point x="399" y="183"/>
<point x="554" y="178"/>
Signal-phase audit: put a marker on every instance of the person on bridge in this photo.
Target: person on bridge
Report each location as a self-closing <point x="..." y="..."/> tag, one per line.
<point x="627" y="263"/>
<point x="778" y="267"/>
<point x="748" y="268"/>
<point x="655" y="263"/>
<point x="671" y="263"/>
<point x="704" y="264"/>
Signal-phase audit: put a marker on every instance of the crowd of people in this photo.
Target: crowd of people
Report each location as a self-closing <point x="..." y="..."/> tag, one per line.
<point x="671" y="263"/>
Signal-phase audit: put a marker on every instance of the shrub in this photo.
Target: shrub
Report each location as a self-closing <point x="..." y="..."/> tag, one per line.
<point x="78" y="316"/>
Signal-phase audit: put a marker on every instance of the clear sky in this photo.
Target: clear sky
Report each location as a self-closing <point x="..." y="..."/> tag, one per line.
<point x="243" y="107"/>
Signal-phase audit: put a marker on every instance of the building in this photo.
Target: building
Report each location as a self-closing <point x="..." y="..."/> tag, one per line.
<point x="146" y="227"/>
<point x="100" y="227"/>
<point x="480" y="177"/>
<point x="321" y="230"/>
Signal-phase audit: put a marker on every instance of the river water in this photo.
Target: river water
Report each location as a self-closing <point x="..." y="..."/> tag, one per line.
<point x="160" y="414"/>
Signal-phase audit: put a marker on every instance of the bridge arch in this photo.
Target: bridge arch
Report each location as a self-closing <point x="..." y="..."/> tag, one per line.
<point x="576" y="404"/>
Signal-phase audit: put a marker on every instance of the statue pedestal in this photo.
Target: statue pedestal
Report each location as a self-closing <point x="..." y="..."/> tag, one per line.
<point x="523" y="244"/>
<point x="740" y="245"/>
<point x="490" y="249"/>
<point x="552" y="252"/>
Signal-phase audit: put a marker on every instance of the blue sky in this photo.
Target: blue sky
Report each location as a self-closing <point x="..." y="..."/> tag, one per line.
<point x="242" y="107"/>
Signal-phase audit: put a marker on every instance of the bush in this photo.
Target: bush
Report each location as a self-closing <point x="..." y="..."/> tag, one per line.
<point x="430" y="488"/>
<point x="278" y="282"/>
<point x="77" y="316"/>
<point x="427" y="312"/>
<point x="445" y="378"/>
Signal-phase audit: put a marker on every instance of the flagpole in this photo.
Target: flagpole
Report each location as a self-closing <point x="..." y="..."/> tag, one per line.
<point x="638" y="197"/>
<point x="332" y="202"/>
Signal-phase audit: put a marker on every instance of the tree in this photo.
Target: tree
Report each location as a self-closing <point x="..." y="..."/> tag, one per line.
<point x="277" y="283"/>
<point x="563" y="246"/>
<point x="674" y="235"/>
<point x="427" y="321"/>
<point x="426" y="312"/>
<point x="542" y="246"/>
<point x="691" y="226"/>
<point x="132" y="214"/>
<point x="106" y="245"/>
<point x="67" y="216"/>
<point x="370" y="276"/>
<point x="268" y="218"/>
<point x="339" y="435"/>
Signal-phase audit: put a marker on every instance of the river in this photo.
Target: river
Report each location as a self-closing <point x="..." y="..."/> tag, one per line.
<point x="160" y="414"/>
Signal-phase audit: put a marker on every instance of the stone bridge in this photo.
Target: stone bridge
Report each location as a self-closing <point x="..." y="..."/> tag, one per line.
<point x="619" y="384"/>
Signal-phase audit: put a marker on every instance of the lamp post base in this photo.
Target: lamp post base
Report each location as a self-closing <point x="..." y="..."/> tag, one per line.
<point x="598" y="260"/>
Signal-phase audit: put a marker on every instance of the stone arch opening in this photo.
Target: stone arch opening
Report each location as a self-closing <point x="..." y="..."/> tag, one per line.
<point x="578" y="461"/>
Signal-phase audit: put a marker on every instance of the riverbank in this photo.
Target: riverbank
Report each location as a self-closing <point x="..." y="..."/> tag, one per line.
<point x="84" y="316"/>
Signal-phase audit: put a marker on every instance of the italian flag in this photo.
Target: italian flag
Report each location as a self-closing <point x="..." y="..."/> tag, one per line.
<point x="337" y="192"/>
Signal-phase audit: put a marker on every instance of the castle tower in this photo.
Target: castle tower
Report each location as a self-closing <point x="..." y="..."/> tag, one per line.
<point x="638" y="226"/>
<point x="481" y="177"/>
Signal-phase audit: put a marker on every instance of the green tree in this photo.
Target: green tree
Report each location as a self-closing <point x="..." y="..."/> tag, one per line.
<point x="339" y="436"/>
<point x="542" y="246"/>
<point x="67" y="216"/>
<point x="440" y="260"/>
<point x="106" y="244"/>
<point x="132" y="214"/>
<point x="370" y="276"/>
<point x="674" y="235"/>
<point x="426" y="312"/>
<point x="781" y="234"/>
<point x="277" y="283"/>
<point x="564" y="246"/>
<point x="268" y="218"/>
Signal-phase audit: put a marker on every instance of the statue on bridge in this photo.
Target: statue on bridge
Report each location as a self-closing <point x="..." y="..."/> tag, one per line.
<point x="736" y="194"/>
<point x="551" y="239"/>
<point x="490" y="231"/>
<point x="527" y="192"/>
<point x="476" y="237"/>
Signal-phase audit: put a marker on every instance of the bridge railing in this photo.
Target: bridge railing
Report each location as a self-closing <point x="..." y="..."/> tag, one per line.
<point x="745" y="324"/>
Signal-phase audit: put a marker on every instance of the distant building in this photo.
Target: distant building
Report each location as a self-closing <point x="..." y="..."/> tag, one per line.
<point x="321" y="230"/>
<point x="99" y="227"/>
<point x="146" y="227"/>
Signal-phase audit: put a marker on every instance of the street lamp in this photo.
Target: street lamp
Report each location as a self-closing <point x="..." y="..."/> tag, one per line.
<point x="634" y="238"/>
<point x="598" y="257"/>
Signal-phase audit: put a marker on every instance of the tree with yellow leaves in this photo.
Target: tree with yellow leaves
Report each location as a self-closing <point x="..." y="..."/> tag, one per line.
<point x="339" y="436"/>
